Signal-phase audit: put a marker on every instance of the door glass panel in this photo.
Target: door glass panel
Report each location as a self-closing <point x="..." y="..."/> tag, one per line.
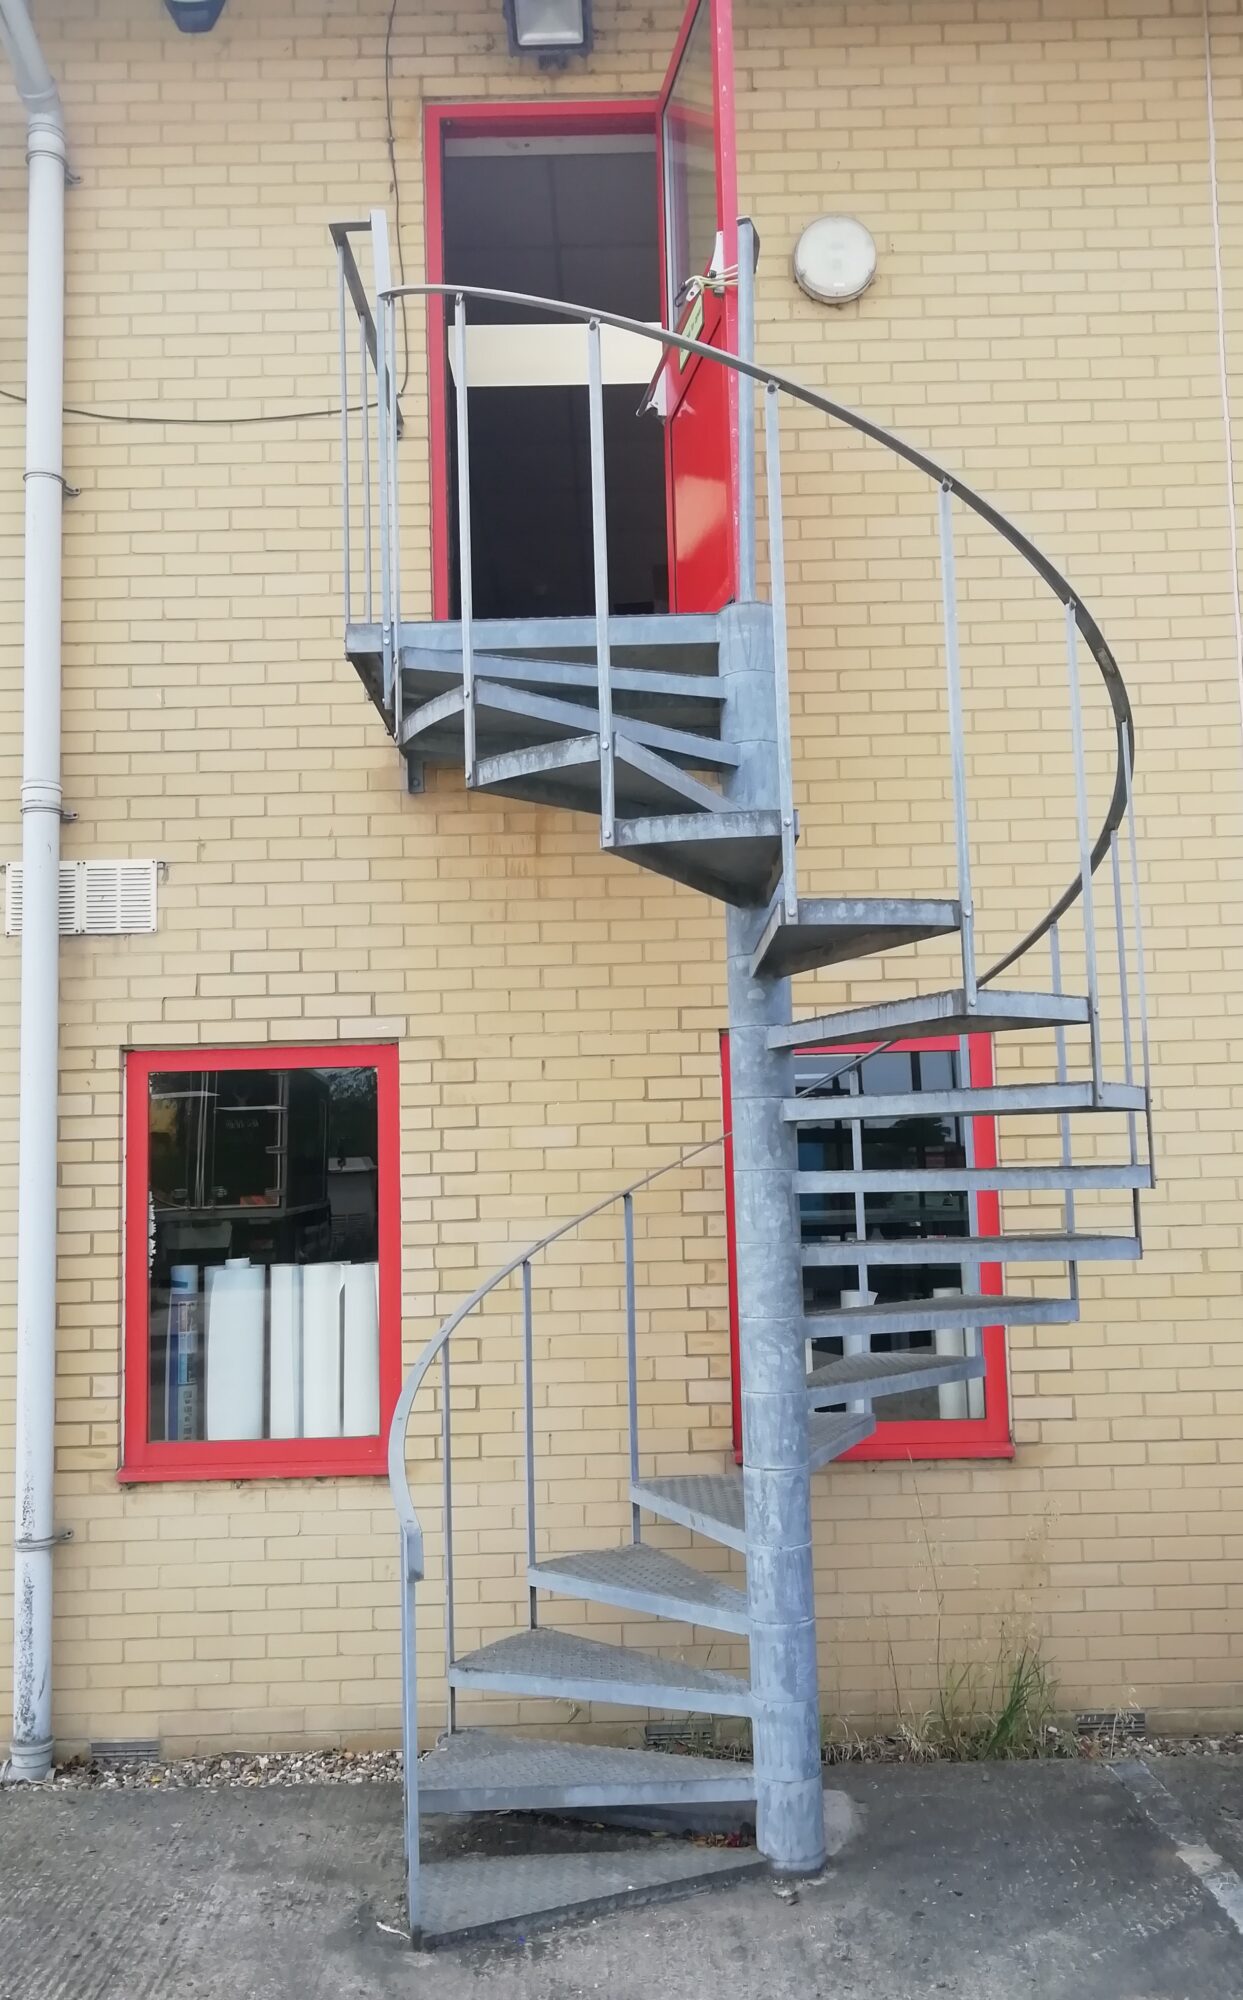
<point x="914" y="1141"/>
<point x="689" y="148"/>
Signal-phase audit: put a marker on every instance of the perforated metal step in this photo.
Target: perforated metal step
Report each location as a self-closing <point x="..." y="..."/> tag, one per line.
<point x="560" y="1664"/>
<point x="936" y="1014"/>
<point x="1045" y="1247"/>
<point x="993" y="1101"/>
<point x="480" y="1770"/>
<point x="962" y="1309"/>
<point x="639" y="1578"/>
<point x="855" y="1375"/>
<point x="835" y="930"/>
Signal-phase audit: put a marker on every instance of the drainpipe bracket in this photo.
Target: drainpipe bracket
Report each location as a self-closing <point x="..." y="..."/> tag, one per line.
<point x="70" y="492"/>
<point x="33" y="1545"/>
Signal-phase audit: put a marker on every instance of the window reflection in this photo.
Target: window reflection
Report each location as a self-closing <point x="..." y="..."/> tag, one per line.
<point x="263" y="1246"/>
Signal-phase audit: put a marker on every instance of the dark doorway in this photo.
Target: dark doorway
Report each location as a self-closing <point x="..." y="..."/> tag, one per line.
<point x="570" y="218"/>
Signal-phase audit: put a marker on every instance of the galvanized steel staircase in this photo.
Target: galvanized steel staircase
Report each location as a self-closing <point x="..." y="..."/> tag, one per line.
<point x="674" y="732"/>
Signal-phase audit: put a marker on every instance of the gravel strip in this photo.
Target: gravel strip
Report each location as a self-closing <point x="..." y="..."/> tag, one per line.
<point x="365" y="1767"/>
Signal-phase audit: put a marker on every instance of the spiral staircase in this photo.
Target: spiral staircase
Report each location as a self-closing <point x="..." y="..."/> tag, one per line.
<point x="674" y="733"/>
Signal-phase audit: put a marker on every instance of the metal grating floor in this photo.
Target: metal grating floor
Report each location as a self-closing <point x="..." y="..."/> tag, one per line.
<point x="479" y="1770"/>
<point x="471" y="1898"/>
<point x="544" y="1662"/>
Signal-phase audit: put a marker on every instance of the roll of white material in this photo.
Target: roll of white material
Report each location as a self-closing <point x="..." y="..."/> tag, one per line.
<point x="285" y="1368"/>
<point x="235" y="1301"/>
<point x="952" y="1399"/>
<point x="360" y="1401"/>
<point x="857" y="1343"/>
<point x="322" y="1286"/>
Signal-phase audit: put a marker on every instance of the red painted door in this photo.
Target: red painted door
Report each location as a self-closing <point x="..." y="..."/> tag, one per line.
<point x="699" y="237"/>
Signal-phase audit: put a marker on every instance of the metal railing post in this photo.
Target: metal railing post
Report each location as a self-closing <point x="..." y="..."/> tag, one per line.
<point x="1059" y="1035"/>
<point x="365" y="419"/>
<point x="345" y="433"/>
<point x="528" y="1429"/>
<point x="465" y="571"/>
<point x="600" y="578"/>
<point x="958" y="757"/>
<point x="632" y="1357"/>
<point x="1085" y="847"/>
<point x="781" y="648"/>
<point x="394" y="506"/>
<point x="410" y="1731"/>
<point x="446" y="1446"/>
<point x="1124" y="988"/>
<point x="1141" y="977"/>
<point x="746" y="413"/>
<point x="383" y="307"/>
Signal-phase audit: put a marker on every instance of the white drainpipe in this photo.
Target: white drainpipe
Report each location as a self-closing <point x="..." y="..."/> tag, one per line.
<point x="34" y="1529"/>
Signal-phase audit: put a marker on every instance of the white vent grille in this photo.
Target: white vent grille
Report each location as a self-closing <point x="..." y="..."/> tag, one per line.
<point x="97" y="898"/>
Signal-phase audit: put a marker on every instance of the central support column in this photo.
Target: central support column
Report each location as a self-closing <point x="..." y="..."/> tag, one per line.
<point x="772" y="1339"/>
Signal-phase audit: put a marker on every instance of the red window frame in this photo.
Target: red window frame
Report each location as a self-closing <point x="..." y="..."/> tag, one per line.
<point x="277" y="1458"/>
<point x="951" y="1437"/>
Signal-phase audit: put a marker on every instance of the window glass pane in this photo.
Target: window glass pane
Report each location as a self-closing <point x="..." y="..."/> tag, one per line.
<point x="263" y="1248"/>
<point x="916" y="1140"/>
<point x="690" y="161"/>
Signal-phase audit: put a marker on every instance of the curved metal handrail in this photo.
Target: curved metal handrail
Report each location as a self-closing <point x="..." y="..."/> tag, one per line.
<point x="399" y="1485"/>
<point x="948" y="482"/>
<point x="1061" y="587"/>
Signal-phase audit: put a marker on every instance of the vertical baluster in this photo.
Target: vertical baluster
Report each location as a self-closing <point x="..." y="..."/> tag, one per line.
<point x="446" y="1446"/>
<point x="856" y="1343"/>
<point x="410" y="1731"/>
<point x="465" y="571"/>
<point x="364" y="360"/>
<point x="345" y="430"/>
<point x="386" y="603"/>
<point x="1068" y="1198"/>
<point x="600" y="577"/>
<point x="632" y="1357"/>
<point x="970" y="1339"/>
<point x="528" y="1413"/>
<point x="746" y="412"/>
<point x="394" y="513"/>
<point x="1124" y="987"/>
<point x="1141" y="977"/>
<point x="1085" y="846"/>
<point x="781" y="646"/>
<point x="958" y="756"/>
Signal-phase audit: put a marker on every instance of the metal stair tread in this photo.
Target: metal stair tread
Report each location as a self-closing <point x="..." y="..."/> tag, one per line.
<point x="960" y="1309"/>
<point x="1052" y="1179"/>
<point x="709" y="1502"/>
<point x="853" y="1375"/>
<point x="731" y="855"/>
<point x="1037" y="1246"/>
<point x="638" y="1577"/>
<point x="679" y="640"/>
<point x="835" y="930"/>
<point x="485" y="1770"/>
<point x="471" y="1897"/>
<point x="944" y="1013"/>
<point x="992" y="1100"/>
<point x="547" y="1662"/>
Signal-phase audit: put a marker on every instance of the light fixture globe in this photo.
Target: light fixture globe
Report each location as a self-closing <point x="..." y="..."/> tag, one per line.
<point x="195" y="17"/>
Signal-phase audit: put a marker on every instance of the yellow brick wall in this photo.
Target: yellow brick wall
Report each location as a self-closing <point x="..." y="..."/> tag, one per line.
<point x="1035" y="178"/>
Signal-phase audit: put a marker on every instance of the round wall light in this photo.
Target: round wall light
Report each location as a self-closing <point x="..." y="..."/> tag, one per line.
<point x="835" y="259"/>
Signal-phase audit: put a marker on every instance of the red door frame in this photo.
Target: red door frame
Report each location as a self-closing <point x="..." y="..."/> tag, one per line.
<point x="725" y="322"/>
<point x="484" y="120"/>
<point x="278" y="1458"/>
<point x="951" y="1437"/>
